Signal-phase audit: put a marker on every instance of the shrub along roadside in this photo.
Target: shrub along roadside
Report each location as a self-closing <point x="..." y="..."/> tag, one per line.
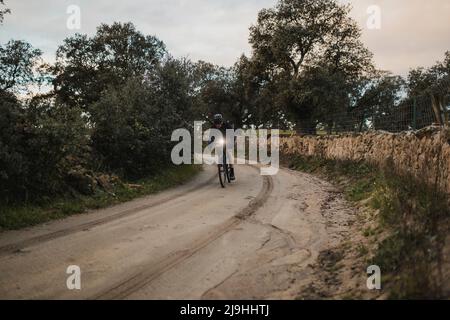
<point x="414" y="216"/>
<point x="14" y="217"/>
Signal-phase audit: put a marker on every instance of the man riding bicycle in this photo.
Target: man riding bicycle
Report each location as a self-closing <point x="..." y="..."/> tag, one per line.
<point x="223" y="126"/>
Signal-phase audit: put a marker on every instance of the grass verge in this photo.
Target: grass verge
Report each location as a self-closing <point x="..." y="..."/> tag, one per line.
<point x="411" y="224"/>
<point x="15" y="217"/>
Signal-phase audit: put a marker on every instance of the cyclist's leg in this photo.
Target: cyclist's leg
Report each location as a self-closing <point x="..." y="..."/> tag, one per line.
<point x="230" y="162"/>
<point x="220" y="157"/>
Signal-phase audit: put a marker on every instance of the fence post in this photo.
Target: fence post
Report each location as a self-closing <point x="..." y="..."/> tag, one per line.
<point x="415" y="113"/>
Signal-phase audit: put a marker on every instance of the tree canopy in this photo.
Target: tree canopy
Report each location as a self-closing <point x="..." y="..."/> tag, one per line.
<point x="18" y="65"/>
<point x="303" y="48"/>
<point x="86" y="66"/>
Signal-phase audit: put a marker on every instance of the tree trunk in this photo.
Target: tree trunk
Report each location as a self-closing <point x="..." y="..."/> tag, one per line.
<point x="437" y="105"/>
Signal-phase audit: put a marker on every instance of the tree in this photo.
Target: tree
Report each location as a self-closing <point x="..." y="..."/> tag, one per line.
<point x="295" y="32"/>
<point x="133" y="123"/>
<point x="252" y="95"/>
<point x="298" y="36"/>
<point x="40" y="143"/>
<point x="86" y="66"/>
<point x="381" y="102"/>
<point x="433" y="82"/>
<point x="435" y="79"/>
<point x="213" y="89"/>
<point x="245" y="93"/>
<point x="18" y="65"/>
<point x="326" y="93"/>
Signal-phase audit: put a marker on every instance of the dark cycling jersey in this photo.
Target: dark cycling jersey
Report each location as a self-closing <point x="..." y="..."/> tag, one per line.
<point x="225" y="126"/>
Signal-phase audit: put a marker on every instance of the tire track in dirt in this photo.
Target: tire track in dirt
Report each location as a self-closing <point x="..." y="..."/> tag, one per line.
<point x="153" y="271"/>
<point x="18" y="246"/>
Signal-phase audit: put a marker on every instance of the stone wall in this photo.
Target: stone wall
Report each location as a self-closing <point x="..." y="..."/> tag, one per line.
<point x="425" y="154"/>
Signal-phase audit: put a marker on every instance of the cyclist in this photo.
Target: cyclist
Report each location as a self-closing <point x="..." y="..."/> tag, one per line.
<point x="223" y="126"/>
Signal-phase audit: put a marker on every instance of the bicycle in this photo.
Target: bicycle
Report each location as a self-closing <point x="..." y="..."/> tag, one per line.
<point x="224" y="169"/>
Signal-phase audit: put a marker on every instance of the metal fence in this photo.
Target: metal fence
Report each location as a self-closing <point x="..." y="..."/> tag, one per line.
<point x="412" y="114"/>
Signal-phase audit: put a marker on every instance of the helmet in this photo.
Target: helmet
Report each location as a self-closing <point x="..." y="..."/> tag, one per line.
<point x="218" y="119"/>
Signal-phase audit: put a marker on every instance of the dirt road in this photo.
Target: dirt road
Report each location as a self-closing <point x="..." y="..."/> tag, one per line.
<point x="255" y="239"/>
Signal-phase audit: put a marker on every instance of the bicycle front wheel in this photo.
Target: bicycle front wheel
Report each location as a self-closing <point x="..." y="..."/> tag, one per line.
<point x="222" y="175"/>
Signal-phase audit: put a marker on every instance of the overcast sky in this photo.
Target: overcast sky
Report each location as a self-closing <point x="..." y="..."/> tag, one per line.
<point x="413" y="32"/>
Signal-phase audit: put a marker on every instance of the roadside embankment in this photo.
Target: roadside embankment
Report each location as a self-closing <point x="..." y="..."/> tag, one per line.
<point x="109" y="193"/>
<point x="400" y="184"/>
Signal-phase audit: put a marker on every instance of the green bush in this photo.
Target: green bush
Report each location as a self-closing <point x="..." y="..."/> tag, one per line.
<point x="133" y="123"/>
<point x="39" y="143"/>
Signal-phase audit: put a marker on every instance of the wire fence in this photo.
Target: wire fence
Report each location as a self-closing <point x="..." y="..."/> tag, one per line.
<point x="412" y="114"/>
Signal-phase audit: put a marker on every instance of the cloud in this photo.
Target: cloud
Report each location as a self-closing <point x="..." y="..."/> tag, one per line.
<point x="211" y="30"/>
<point x="413" y="32"/>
